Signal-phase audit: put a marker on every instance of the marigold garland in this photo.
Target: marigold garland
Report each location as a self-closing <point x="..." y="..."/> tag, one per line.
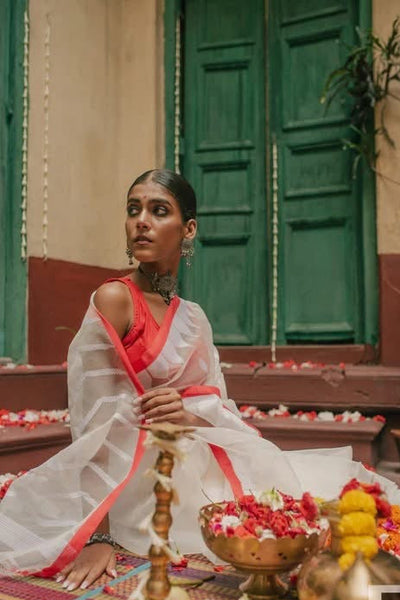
<point x="358" y="505"/>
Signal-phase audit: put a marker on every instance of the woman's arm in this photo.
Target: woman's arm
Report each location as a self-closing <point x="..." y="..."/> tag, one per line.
<point x="114" y="302"/>
<point x="90" y="564"/>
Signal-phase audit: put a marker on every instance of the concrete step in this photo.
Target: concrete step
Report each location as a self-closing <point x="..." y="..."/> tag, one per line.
<point x="22" y="449"/>
<point x="367" y="388"/>
<point x="35" y="388"/>
<point x="40" y="388"/>
<point x="370" y="389"/>
<point x="289" y="433"/>
<point x="328" y="354"/>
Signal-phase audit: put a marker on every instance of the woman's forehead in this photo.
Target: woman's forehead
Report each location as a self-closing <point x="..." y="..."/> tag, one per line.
<point x="149" y="190"/>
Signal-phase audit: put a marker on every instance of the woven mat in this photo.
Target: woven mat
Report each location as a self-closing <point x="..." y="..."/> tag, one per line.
<point x="222" y="585"/>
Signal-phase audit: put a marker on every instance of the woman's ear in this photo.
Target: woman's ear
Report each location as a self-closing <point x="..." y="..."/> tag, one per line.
<point x="190" y="229"/>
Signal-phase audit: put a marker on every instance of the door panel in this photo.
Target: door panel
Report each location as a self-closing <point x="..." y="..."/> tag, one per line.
<point x="326" y="227"/>
<point x="12" y="268"/>
<point x="224" y="159"/>
<point x="304" y="9"/>
<point x="319" y="204"/>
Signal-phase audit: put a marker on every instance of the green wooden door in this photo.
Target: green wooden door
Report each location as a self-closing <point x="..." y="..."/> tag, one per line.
<point x="321" y="268"/>
<point x="224" y="158"/>
<point x="232" y="53"/>
<point x="12" y="269"/>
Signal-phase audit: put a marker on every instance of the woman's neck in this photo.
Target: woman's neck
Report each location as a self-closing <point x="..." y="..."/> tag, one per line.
<point x="164" y="284"/>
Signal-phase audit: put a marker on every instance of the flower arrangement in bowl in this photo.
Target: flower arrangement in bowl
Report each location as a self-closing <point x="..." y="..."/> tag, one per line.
<point x="264" y="534"/>
<point x="357" y="546"/>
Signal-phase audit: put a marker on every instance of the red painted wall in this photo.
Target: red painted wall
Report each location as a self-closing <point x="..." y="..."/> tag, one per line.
<point x="58" y="295"/>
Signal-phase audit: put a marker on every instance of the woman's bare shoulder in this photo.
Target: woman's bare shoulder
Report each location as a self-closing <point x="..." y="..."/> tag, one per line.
<point x="112" y="292"/>
<point x="114" y="301"/>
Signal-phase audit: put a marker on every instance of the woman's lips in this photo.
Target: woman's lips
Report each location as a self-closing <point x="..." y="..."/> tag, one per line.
<point x="142" y="241"/>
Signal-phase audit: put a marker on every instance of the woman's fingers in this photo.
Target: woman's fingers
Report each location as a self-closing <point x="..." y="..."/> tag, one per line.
<point x="161" y="404"/>
<point x="95" y="572"/>
<point x="64" y="572"/>
<point x="157" y="392"/>
<point x="153" y="395"/>
<point x="111" y="567"/>
<point x="91" y="563"/>
<point x="163" y="410"/>
<point x="177" y="417"/>
<point x="75" y="577"/>
<point x="155" y="400"/>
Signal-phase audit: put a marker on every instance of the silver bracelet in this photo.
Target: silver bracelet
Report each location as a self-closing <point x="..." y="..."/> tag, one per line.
<point x="101" y="538"/>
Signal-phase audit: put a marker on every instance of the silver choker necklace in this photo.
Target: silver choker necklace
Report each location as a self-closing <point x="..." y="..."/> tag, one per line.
<point x="165" y="285"/>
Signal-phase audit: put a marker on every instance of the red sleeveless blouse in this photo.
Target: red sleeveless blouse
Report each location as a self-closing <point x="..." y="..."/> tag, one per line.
<point x="144" y="328"/>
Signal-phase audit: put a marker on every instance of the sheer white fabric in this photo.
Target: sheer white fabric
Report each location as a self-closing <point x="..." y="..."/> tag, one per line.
<point x="51" y="511"/>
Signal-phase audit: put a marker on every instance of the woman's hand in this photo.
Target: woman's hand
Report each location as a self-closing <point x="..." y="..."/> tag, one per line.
<point x="165" y="404"/>
<point x="91" y="563"/>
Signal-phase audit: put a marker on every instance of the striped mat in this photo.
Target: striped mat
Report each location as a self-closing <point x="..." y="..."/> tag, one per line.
<point x="200" y="578"/>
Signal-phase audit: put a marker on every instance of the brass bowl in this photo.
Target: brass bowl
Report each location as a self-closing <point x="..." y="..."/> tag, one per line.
<point x="263" y="560"/>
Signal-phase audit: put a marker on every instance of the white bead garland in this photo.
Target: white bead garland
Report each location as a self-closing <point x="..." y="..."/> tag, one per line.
<point x="46" y="97"/>
<point x="24" y="170"/>
<point x="177" y="95"/>
<point x="275" y="247"/>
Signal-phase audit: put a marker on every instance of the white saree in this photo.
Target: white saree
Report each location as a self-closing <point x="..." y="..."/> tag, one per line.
<point x="49" y="513"/>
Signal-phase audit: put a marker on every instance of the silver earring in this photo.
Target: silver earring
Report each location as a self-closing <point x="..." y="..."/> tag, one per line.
<point x="129" y="254"/>
<point x="187" y="250"/>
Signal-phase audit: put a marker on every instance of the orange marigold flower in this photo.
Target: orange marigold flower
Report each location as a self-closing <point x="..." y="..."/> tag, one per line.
<point x="392" y="542"/>
<point x="395" y="513"/>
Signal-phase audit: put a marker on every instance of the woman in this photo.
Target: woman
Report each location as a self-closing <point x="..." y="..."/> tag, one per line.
<point x="143" y="354"/>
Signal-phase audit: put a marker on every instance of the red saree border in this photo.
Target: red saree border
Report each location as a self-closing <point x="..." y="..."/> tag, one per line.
<point x="78" y="540"/>
<point x="121" y="352"/>
<point x="150" y="355"/>
<point x="200" y="390"/>
<point x="226" y="467"/>
<point x="80" y="537"/>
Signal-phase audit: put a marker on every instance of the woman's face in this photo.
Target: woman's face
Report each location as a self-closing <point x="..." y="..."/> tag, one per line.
<point x="154" y="225"/>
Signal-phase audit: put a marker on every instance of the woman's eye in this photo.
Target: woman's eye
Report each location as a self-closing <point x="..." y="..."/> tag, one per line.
<point x="132" y="210"/>
<point x="160" y="211"/>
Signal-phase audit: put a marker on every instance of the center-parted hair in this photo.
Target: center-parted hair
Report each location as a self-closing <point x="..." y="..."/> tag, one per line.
<point x="177" y="185"/>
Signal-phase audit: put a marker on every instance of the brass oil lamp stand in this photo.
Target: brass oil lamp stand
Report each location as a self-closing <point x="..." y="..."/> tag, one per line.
<point x="158" y="586"/>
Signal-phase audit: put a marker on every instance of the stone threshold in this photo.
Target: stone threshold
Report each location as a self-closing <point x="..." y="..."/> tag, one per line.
<point x="328" y="354"/>
<point x="38" y="387"/>
<point x="22" y="449"/>
<point x="289" y="433"/>
<point x="366" y="388"/>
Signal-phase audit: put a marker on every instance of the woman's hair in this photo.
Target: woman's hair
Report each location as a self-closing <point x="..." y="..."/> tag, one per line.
<point x="177" y="185"/>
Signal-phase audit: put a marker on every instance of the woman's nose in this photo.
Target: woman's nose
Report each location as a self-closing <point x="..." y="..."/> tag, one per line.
<point x="143" y="221"/>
